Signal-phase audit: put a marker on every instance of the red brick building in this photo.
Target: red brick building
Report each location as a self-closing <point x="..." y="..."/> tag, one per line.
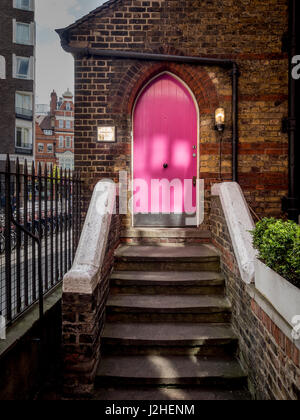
<point x="45" y="144"/>
<point x="54" y="143"/>
<point x="253" y="147"/>
<point x="62" y="113"/>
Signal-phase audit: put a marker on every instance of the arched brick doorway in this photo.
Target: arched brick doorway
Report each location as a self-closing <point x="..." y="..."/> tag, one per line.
<point x="165" y="157"/>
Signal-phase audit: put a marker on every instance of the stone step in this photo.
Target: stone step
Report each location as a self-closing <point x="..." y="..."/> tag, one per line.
<point x="165" y="237"/>
<point x="171" y="394"/>
<point x="169" y="338"/>
<point x="168" y="308"/>
<point x="168" y="282"/>
<point x="165" y="233"/>
<point x="167" y="258"/>
<point x="169" y="371"/>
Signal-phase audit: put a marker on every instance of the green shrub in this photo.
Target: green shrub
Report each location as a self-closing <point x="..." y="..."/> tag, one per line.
<point x="278" y="244"/>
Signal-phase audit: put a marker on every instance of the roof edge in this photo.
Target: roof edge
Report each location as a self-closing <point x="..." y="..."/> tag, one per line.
<point x="86" y="17"/>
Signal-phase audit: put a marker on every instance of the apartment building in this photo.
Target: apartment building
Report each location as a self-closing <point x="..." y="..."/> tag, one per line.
<point x="17" y="79"/>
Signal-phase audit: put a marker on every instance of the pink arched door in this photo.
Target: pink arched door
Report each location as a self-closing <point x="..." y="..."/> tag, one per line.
<point x="165" y="133"/>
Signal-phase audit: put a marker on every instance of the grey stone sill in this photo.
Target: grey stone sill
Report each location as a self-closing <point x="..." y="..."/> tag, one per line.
<point x="28" y="320"/>
<point x="272" y="313"/>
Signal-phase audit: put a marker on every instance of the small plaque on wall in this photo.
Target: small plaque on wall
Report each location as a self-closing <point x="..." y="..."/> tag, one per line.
<point x="106" y="134"/>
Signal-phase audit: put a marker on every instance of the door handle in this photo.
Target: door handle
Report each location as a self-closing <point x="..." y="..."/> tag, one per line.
<point x="194" y="181"/>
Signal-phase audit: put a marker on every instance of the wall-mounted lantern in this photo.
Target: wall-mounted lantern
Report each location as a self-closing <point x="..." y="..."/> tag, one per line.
<point x="220" y="119"/>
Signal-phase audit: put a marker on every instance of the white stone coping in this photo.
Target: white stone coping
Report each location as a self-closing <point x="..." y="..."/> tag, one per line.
<point x="84" y="274"/>
<point x="239" y="222"/>
<point x="283" y="295"/>
<point x="272" y="313"/>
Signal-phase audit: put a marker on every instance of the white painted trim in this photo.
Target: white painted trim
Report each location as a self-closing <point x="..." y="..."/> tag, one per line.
<point x="84" y="275"/>
<point x="239" y="222"/>
<point x="2" y="67"/>
<point x="198" y="138"/>
<point x="14" y="28"/>
<point x="32" y="33"/>
<point x="14" y="65"/>
<point x="32" y="68"/>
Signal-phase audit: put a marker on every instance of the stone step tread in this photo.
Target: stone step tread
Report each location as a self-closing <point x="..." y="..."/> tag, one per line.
<point x="162" y="233"/>
<point x="170" y="394"/>
<point x="169" y="367"/>
<point x="165" y="303"/>
<point x="166" y="253"/>
<point x="168" y="278"/>
<point x="168" y="333"/>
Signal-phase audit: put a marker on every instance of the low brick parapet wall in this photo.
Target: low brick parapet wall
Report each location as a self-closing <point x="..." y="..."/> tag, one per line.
<point x="85" y="292"/>
<point x="266" y="352"/>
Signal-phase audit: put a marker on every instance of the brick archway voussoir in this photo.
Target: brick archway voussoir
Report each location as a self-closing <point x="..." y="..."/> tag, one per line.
<point x="196" y="77"/>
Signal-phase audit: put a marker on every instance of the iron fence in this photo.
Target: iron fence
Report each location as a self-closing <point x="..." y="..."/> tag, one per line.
<point x="40" y="226"/>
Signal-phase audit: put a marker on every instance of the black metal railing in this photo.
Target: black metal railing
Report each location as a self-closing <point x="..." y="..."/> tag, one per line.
<point x="40" y="226"/>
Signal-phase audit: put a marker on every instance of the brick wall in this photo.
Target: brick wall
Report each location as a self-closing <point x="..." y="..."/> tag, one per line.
<point x="248" y="32"/>
<point x="272" y="360"/>
<point x="83" y="321"/>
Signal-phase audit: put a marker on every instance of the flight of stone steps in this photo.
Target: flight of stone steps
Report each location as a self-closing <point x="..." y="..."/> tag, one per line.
<point x="168" y="333"/>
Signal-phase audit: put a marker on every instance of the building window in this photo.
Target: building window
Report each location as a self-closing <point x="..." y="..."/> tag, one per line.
<point x="23" y="67"/>
<point x="68" y="106"/>
<point x="68" y="163"/>
<point x="23" y="33"/>
<point x="24" y="104"/>
<point x="23" y="136"/>
<point x="48" y="132"/>
<point x="40" y="148"/>
<point x="61" y="123"/>
<point x="2" y="67"/>
<point x="61" y="142"/>
<point x="68" y="124"/>
<point x="49" y="148"/>
<point x="68" y="142"/>
<point x="24" y="4"/>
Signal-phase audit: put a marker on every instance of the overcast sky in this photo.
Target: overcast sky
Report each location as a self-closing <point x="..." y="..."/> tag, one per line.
<point x="54" y="66"/>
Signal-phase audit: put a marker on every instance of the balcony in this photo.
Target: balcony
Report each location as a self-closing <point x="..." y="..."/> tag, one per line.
<point x="24" y="150"/>
<point x="25" y="114"/>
